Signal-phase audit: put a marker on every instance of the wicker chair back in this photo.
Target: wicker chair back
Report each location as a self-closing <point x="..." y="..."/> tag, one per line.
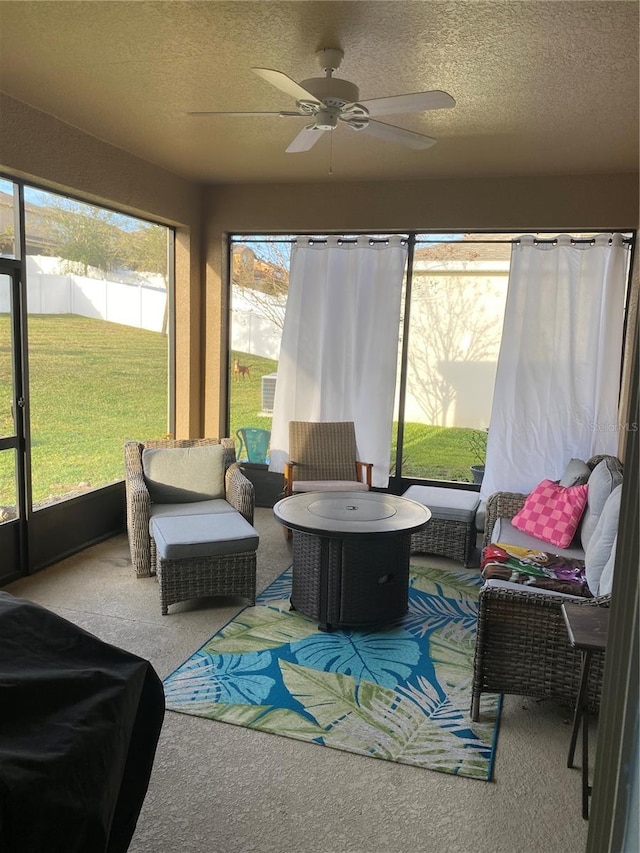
<point x="323" y="451"/>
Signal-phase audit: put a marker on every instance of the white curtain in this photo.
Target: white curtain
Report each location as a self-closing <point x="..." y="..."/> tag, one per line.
<point x="558" y="375"/>
<point x="339" y="347"/>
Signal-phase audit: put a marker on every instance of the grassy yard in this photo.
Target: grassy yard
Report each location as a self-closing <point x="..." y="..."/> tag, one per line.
<point x="246" y="393"/>
<point x="94" y="385"/>
<point x="430" y="452"/>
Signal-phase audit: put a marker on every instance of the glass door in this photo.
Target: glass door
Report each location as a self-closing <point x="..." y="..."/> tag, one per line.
<point x="13" y="540"/>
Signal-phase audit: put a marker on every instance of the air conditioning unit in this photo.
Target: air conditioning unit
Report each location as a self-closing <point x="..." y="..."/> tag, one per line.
<point x="268" y="391"/>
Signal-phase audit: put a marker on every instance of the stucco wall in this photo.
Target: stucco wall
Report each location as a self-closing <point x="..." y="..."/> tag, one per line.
<point x="572" y="203"/>
<point x="49" y="153"/>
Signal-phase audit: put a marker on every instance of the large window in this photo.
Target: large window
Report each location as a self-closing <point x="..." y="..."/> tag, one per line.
<point x="97" y="285"/>
<point x="455" y="308"/>
<point x="458" y="292"/>
<point x="260" y="284"/>
<point x="449" y="339"/>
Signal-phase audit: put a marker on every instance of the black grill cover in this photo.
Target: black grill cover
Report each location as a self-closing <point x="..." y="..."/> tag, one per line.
<point x="79" y="726"/>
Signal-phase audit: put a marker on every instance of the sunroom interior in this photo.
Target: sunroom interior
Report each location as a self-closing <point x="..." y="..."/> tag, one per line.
<point x="97" y="156"/>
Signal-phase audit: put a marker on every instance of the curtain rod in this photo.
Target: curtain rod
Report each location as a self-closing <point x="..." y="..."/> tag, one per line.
<point x="626" y="241"/>
<point x="553" y="241"/>
<point x="312" y="240"/>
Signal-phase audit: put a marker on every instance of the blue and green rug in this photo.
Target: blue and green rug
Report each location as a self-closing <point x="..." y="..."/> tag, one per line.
<point x="401" y="693"/>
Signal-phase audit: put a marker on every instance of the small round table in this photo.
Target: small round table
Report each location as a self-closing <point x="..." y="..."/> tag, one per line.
<point x="351" y="555"/>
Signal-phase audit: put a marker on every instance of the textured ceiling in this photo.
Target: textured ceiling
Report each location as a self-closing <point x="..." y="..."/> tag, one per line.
<point x="541" y="87"/>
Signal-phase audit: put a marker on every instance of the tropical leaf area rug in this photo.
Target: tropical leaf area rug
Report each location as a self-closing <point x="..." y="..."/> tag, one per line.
<point x="400" y="693"/>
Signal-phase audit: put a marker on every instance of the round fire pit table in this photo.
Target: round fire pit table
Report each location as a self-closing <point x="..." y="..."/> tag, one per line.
<point x="351" y="555"/>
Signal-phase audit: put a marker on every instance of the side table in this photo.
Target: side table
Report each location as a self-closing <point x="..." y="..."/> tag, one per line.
<point x="351" y="555"/>
<point x="587" y="628"/>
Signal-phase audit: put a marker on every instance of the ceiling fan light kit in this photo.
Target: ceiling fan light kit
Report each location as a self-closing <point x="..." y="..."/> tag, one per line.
<point x="329" y="100"/>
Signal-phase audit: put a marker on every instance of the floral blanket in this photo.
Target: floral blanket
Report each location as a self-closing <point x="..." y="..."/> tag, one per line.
<point x="534" y="568"/>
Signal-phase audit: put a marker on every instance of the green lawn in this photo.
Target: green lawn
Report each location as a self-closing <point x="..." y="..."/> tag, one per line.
<point x="94" y="385"/>
<point x="246" y="394"/>
<point x="429" y="452"/>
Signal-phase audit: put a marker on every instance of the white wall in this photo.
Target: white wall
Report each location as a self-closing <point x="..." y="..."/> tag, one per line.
<point x="470" y="373"/>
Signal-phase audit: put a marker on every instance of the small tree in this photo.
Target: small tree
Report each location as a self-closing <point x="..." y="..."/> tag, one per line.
<point x="476" y="441"/>
<point x="86" y="236"/>
<point x="263" y="277"/>
<point x="145" y="249"/>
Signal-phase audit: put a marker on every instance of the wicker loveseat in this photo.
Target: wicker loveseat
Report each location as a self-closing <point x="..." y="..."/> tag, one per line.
<point x="238" y="492"/>
<point x="522" y="645"/>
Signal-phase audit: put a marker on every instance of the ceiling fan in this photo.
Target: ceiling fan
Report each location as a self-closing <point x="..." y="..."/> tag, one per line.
<point x="329" y="100"/>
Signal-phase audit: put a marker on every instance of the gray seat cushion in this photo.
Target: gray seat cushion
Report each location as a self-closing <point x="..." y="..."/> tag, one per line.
<point x="504" y="531"/>
<point x="184" y="474"/>
<point x="329" y="486"/>
<point x="527" y="590"/>
<point x="446" y="504"/>
<point x="194" y="508"/>
<point x="187" y="536"/>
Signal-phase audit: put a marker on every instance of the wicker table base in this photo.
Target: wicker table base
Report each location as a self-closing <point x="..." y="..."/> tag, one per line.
<point x="350" y="555"/>
<point x="350" y="583"/>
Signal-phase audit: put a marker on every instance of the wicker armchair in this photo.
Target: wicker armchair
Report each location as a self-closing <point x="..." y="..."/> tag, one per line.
<point x="522" y="646"/>
<point x="324" y="456"/>
<point x="239" y="492"/>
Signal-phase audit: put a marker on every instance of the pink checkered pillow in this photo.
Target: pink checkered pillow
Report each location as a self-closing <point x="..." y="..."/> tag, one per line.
<point x="552" y="512"/>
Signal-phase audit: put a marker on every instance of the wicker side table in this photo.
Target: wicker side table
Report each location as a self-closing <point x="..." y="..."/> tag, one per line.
<point x="587" y="628"/>
<point x="452" y="529"/>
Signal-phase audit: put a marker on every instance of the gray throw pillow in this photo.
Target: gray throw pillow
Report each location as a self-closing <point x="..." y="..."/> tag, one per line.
<point x="576" y="473"/>
<point x="603" y="480"/>
<point x="184" y="474"/>
<point x="601" y="544"/>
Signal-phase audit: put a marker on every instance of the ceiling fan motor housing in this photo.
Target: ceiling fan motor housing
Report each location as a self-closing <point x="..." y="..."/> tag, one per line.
<point x="326" y="119"/>
<point x="332" y="91"/>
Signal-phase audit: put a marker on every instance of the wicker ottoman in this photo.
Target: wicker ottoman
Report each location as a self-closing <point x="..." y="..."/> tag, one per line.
<point x="452" y="529"/>
<point x="200" y="555"/>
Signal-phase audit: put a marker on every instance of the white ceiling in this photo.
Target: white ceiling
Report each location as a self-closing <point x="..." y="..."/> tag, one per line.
<point x="541" y="87"/>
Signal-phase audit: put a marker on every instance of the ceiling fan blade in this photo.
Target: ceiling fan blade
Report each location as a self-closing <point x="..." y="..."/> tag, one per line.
<point x="410" y="103"/>
<point x="246" y="113"/>
<point x="305" y="140"/>
<point x="391" y="133"/>
<point x="285" y="84"/>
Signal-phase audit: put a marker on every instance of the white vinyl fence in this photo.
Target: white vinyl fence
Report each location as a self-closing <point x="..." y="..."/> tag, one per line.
<point x="140" y="301"/>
